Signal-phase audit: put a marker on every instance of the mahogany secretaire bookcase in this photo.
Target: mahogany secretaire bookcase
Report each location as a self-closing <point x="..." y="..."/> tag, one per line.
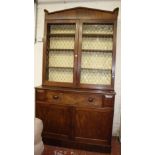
<point x="76" y="99"/>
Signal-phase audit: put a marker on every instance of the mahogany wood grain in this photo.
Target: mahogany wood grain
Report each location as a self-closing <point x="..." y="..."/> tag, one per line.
<point x="76" y="115"/>
<point x="82" y="13"/>
<point x="56" y="119"/>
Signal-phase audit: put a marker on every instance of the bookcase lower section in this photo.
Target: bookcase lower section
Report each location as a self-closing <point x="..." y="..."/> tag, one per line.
<point x="76" y="145"/>
<point x="80" y="119"/>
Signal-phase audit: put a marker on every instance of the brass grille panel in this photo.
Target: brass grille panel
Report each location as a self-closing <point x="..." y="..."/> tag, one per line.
<point x="62" y="28"/>
<point x="97" y="29"/>
<point x="60" y="75"/>
<point x="99" y="60"/>
<point x="61" y="59"/>
<point x="62" y="43"/>
<point x="89" y="76"/>
<point x="96" y="64"/>
<point x="97" y="43"/>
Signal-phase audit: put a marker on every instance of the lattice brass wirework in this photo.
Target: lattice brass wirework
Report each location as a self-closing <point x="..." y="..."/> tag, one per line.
<point x="97" y="43"/>
<point x="101" y="77"/>
<point x="60" y="75"/>
<point x="62" y="28"/>
<point x="99" y="60"/>
<point x="62" y="43"/>
<point x="61" y="59"/>
<point x="98" y="29"/>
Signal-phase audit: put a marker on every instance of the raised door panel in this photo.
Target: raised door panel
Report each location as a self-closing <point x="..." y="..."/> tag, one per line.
<point x="56" y="119"/>
<point x="93" y="125"/>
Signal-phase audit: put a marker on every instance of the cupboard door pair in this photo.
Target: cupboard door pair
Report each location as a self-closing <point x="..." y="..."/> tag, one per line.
<point x="86" y="125"/>
<point x="79" y="53"/>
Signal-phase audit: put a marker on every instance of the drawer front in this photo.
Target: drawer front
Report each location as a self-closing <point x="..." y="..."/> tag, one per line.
<point x="79" y="99"/>
<point x="82" y="99"/>
<point x="48" y="96"/>
<point x="108" y="100"/>
<point x="40" y="95"/>
<point x="53" y="97"/>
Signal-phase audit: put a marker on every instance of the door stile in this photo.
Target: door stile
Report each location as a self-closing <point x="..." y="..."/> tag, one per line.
<point x="79" y="53"/>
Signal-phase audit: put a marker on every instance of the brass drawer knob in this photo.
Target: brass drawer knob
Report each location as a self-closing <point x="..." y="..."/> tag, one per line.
<point x="55" y="97"/>
<point x="90" y="99"/>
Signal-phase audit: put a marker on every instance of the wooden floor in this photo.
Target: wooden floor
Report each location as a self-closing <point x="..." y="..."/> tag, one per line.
<point x="52" y="150"/>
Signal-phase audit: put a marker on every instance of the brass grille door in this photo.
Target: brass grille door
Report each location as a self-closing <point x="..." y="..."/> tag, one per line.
<point x="61" y="48"/>
<point x="96" y="54"/>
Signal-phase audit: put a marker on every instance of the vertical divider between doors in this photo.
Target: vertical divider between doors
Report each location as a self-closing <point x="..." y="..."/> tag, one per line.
<point x="76" y="53"/>
<point x="79" y="53"/>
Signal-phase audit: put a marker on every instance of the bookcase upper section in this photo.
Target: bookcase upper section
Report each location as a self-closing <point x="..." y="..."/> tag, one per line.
<point x="80" y="48"/>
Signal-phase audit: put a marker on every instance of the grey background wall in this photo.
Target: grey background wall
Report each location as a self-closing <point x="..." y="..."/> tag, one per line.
<point x="38" y="48"/>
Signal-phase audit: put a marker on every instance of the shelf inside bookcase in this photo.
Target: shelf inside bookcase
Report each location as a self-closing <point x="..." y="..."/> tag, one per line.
<point x="97" y="35"/>
<point x="60" y="67"/>
<point x="62" y="35"/>
<point x="97" y="50"/>
<point x="97" y="69"/>
<point x="57" y="49"/>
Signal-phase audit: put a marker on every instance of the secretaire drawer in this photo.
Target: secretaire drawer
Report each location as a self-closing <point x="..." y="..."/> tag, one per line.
<point x="82" y="99"/>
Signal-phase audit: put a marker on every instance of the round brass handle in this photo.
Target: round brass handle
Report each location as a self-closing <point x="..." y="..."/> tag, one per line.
<point x="55" y="97"/>
<point x="90" y="99"/>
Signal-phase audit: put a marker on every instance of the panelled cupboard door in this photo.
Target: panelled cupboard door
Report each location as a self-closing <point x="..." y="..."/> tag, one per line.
<point x="56" y="119"/>
<point x="60" y="53"/>
<point x="93" y="125"/>
<point x="96" y="53"/>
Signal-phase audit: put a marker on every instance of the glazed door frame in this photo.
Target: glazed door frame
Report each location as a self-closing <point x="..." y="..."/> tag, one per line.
<point x="96" y="86"/>
<point x="78" y="55"/>
<point x="45" y="53"/>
